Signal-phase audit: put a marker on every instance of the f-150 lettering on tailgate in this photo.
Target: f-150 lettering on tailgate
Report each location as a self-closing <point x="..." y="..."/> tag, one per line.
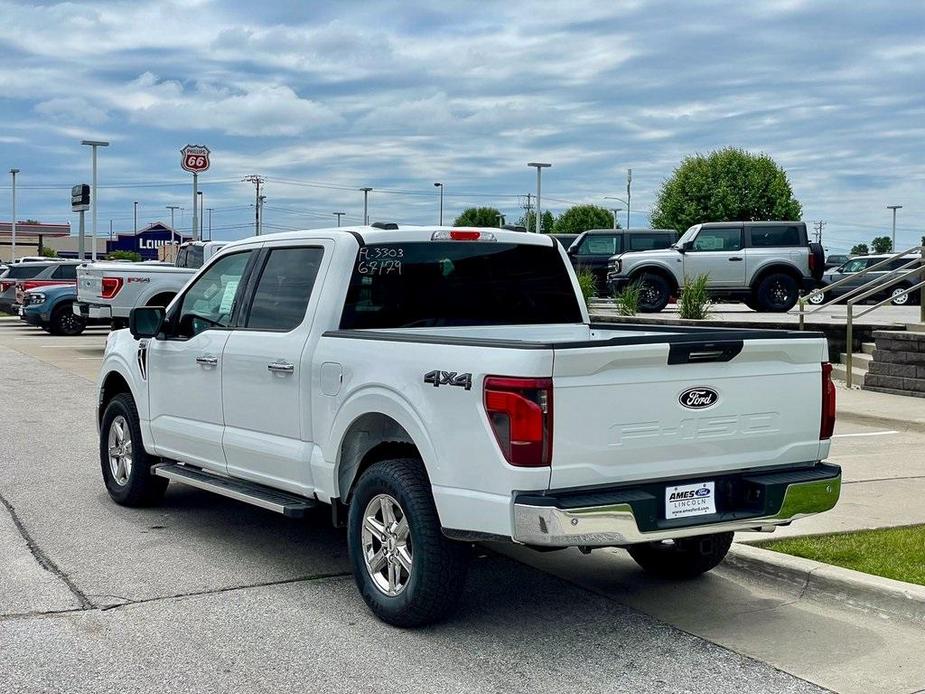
<point x="695" y="428"/>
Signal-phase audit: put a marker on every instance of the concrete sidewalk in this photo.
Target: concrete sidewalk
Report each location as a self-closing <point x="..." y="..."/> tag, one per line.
<point x="893" y="411"/>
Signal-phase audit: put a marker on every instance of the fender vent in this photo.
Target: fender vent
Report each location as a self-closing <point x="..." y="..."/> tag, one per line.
<point x="143" y="359"/>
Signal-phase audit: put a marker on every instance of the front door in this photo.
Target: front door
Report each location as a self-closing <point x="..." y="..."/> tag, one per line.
<point x="185" y="369"/>
<point x="266" y="382"/>
<point x="717" y="252"/>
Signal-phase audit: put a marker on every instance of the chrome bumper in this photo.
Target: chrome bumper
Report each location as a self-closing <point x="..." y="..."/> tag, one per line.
<point x="615" y="525"/>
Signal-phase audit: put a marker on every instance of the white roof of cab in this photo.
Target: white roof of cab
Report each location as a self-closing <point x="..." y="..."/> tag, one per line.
<point x="404" y="234"/>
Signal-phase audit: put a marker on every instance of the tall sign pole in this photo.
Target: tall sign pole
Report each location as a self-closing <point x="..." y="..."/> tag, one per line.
<point x="195" y="159"/>
<point x="93" y="144"/>
<point x="80" y="201"/>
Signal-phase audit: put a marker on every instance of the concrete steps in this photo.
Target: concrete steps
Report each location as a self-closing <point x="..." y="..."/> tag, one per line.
<point x="858" y="374"/>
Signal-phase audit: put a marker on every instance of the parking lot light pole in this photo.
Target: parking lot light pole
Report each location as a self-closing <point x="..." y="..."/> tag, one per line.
<point x="538" y="226"/>
<point x="440" y="186"/>
<point x="93" y="144"/>
<point x="338" y="215"/>
<point x="894" y="208"/>
<point x="366" y="192"/>
<point x="173" y="234"/>
<point x="615" y="209"/>
<point x="13" y="173"/>
<point x="629" y="180"/>
<point x="135" y="217"/>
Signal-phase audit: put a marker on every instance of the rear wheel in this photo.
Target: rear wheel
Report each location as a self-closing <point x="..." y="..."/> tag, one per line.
<point x="683" y="558"/>
<point x="777" y="293"/>
<point x="897" y="298"/>
<point x="408" y="573"/>
<point x="654" y="292"/>
<point x="65" y="322"/>
<point x="818" y="299"/>
<point x="125" y="465"/>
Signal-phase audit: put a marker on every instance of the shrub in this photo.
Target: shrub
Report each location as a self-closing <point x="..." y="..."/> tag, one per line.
<point x="47" y="252"/>
<point x="627" y="299"/>
<point x="588" y="284"/>
<point x="125" y="255"/>
<point x="694" y="301"/>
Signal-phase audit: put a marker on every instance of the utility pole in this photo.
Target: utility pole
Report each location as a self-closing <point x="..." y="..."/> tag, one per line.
<point x="209" y="210"/>
<point x="539" y="166"/>
<point x="173" y="233"/>
<point x="256" y="180"/>
<point x="819" y="224"/>
<point x="93" y="144"/>
<point x="13" y="173"/>
<point x="629" y="180"/>
<point x="440" y="186"/>
<point x="528" y="207"/>
<point x="894" y="208"/>
<point x="366" y="192"/>
<point x="135" y="217"/>
<point x="338" y="215"/>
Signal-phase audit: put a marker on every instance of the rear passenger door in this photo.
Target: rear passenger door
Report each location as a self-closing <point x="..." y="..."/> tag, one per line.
<point x="266" y="374"/>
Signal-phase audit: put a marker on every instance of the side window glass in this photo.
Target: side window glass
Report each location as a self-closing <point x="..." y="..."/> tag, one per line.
<point x="648" y="242"/>
<point x="284" y="288"/>
<point x="775" y="237"/>
<point x="855" y="265"/>
<point x="718" y="240"/>
<point x="598" y="244"/>
<point x="65" y="272"/>
<point x="210" y="300"/>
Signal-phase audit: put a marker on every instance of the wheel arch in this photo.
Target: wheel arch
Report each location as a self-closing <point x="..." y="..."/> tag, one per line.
<point x="773" y="268"/>
<point x="655" y="269"/>
<point x="113" y="384"/>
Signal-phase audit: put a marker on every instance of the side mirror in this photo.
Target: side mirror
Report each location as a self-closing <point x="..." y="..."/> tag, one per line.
<point x="146" y="321"/>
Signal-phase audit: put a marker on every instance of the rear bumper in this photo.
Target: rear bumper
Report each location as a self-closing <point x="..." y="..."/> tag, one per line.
<point x="93" y="311"/>
<point x="634" y="513"/>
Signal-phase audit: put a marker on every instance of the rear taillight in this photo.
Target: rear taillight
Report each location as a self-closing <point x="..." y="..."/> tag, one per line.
<point x="812" y="261"/>
<point x="110" y="287"/>
<point x="520" y="413"/>
<point x="827" y="426"/>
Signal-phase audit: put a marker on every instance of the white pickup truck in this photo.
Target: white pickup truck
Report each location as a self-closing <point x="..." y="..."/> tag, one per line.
<point x="109" y="290"/>
<point x="438" y="387"/>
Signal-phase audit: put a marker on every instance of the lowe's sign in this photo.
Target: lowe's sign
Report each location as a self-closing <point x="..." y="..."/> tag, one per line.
<point x="147" y="241"/>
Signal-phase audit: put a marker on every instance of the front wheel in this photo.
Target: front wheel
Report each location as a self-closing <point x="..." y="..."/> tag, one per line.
<point x="408" y="573"/>
<point x="683" y="558"/>
<point x="65" y="322"/>
<point x="654" y="292"/>
<point x="125" y="464"/>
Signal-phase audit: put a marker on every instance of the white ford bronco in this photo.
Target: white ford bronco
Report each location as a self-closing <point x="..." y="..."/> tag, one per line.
<point x="438" y="387"/>
<point x="763" y="264"/>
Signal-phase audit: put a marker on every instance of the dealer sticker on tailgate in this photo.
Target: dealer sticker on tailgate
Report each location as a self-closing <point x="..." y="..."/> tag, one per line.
<point x="690" y="500"/>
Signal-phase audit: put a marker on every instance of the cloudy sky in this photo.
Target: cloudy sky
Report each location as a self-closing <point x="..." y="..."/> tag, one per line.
<point x="322" y="98"/>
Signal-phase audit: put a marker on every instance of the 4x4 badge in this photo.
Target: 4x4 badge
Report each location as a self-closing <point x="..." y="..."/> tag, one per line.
<point x="698" y="398"/>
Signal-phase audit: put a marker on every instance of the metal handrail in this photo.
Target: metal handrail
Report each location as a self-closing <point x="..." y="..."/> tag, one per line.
<point x="849" y="328"/>
<point x="854" y="275"/>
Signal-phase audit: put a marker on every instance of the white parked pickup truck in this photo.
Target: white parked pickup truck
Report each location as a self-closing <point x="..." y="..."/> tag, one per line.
<point x="109" y="290"/>
<point x="438" y="387"/>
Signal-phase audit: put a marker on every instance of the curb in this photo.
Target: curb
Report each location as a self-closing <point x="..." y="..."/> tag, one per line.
<point x="865" y="418"/>
<point x="831" y="583"/>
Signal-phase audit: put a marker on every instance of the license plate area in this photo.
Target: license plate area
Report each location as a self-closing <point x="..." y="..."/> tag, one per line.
<point x="686" y="500"/>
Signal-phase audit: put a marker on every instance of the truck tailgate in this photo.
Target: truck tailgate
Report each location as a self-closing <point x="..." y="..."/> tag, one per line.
<point x="618" y="414"/>
<point x="89" y="284"/>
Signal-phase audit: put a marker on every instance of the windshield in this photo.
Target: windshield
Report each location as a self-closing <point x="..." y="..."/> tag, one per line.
<point x="687" y="236"/>
<point x="453" y="283"/>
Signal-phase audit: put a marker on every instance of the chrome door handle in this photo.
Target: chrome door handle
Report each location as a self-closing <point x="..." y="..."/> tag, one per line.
<point x="207" y="360"/>
<point x="280" y="367"/>
<point x="734" y="260"/>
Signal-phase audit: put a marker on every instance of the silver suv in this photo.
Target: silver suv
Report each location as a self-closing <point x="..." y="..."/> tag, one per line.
<point x="763" y="264"/>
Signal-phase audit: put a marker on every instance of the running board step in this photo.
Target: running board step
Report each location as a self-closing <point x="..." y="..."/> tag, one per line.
<point x="249" y="492"/>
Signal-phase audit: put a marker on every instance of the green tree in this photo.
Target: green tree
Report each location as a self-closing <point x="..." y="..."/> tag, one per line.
<point x="580" y="218"/>
<point x="32" y="221"/>
<point x="860" y="249"/>
<point x="723" y="186"/>
<point x="881" y="244"/>
<point x="478" y="217"/>
<point x="47" y="252"/>
<point x="549" y="221"/>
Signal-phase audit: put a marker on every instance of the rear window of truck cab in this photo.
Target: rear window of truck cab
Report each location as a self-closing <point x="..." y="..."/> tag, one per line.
<point x="458" y="283"/>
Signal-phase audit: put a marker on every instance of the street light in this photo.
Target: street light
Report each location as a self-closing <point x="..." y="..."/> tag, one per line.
<point x="93" y="144"/>
<point x="366" y="205"/>
<point x="894" y="208"/>
<point x="338" y="215"/>
<point x="614" y="197"/>
<point x="440" y="186"/>
<point x="135" y="217"/>
<point x="173" y="234"/>
<point x="13" y="173"/>
<point x="538" y="227"/>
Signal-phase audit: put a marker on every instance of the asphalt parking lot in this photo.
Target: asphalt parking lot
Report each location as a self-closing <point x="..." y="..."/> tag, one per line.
<point x="205" y="594"/>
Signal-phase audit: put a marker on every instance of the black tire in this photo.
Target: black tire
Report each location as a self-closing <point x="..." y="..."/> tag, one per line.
<point x="438" y="566"/>
<point x="118" y="323"/>
<point x="140" y="487"/>
<point x="654" y="292"/>
<point x="777" y="293"/>
<point x="684" y="558"/>
<point x="65" y="322"/>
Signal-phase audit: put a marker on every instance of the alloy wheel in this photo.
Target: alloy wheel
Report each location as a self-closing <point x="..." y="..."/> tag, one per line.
<point x="120" y="450"/>
<point x="386" y="541"/>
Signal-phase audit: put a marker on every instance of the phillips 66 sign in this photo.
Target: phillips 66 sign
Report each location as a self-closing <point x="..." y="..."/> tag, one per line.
<point x="194" y="158"/>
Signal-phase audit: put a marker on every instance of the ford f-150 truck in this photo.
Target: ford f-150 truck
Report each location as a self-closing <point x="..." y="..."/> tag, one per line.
<point x="438" y="387"/>
<point x="109" y="290"/>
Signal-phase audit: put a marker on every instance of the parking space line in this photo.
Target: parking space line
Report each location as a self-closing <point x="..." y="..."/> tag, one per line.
<point x="865" y="433"/>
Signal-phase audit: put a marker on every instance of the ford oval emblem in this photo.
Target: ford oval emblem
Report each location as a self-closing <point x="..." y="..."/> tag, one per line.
<point x="698" y="398"/>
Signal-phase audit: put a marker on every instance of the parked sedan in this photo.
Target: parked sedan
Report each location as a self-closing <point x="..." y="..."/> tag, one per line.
<point x="852" y="269"/>
<point x="51" y="308"/>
